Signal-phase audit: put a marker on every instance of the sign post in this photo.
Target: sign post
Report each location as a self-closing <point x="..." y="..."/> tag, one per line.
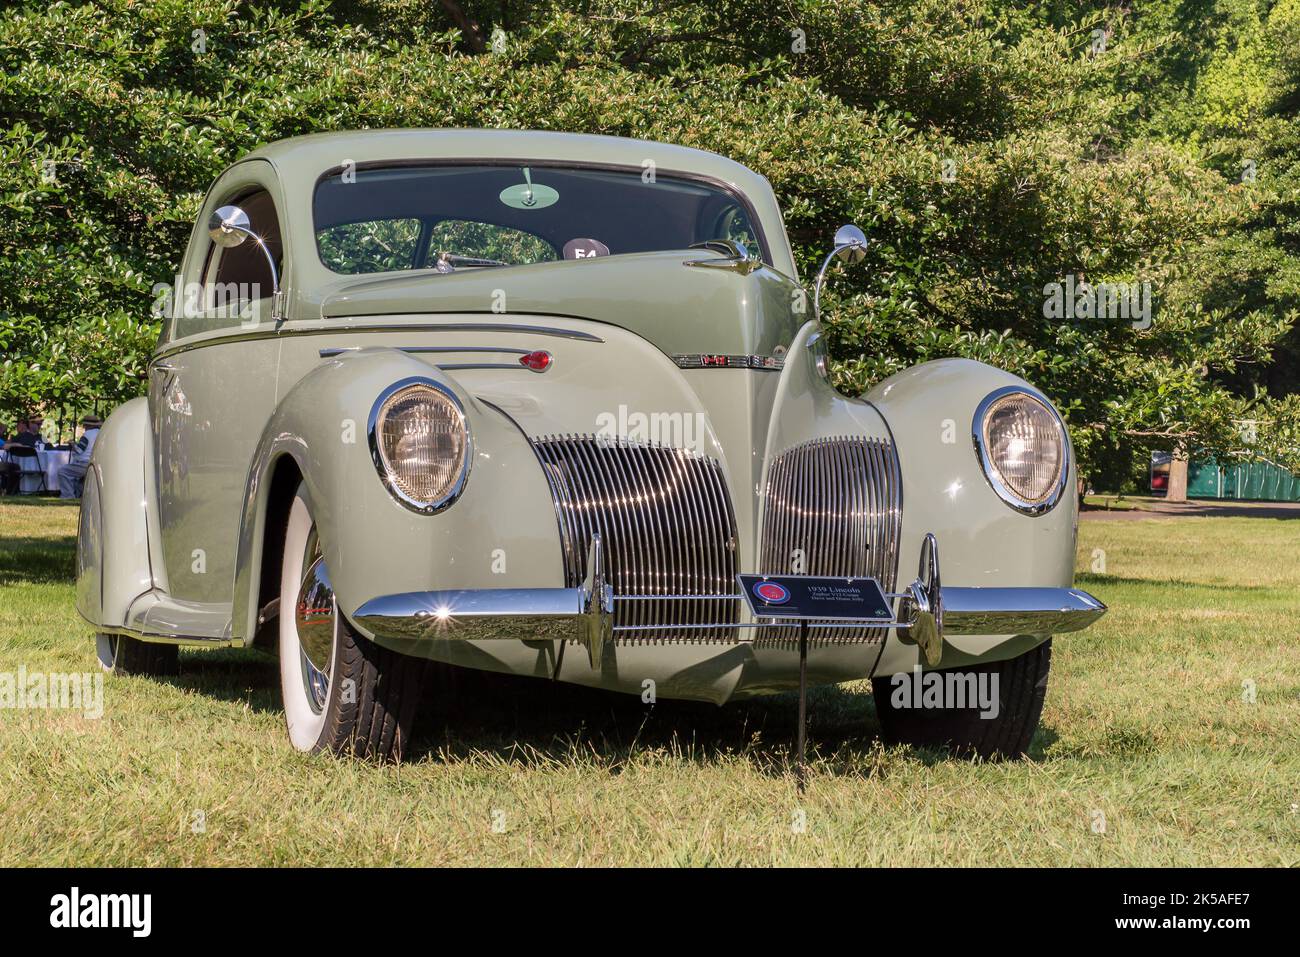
<point x="852" y="602"/>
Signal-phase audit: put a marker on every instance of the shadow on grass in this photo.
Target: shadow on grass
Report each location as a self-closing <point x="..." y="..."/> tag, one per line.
<point x="532" y="722"/>
<point x="37" y="561"/>
<point x="1088" y="579"/>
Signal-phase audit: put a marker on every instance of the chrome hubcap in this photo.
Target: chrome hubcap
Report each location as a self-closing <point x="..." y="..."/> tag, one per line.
<point x="316" y="617"/>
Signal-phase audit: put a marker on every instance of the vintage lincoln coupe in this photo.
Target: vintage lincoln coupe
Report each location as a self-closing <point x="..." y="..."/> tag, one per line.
<point x="533" y="403"/>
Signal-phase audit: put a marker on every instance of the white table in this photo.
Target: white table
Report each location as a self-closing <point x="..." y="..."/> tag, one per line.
<point x="51" y="461"/>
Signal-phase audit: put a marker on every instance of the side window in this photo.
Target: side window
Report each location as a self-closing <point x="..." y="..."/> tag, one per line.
<point x="477" y="240"/>
<point x="378" y="245"/>
<point x="731" y="222"/>
<point x="236" y="284"/>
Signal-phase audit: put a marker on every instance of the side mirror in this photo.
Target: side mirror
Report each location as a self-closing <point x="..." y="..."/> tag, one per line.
<point x="850" y="247"/>
<point x="850" y="244"/>
<point x="229" y="226"/>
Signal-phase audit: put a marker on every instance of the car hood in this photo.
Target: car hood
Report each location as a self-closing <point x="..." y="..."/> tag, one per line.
<point x="681" y="309"/>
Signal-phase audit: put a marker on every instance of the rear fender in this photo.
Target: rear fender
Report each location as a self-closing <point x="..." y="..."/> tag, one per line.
<point x="118" y="557"/>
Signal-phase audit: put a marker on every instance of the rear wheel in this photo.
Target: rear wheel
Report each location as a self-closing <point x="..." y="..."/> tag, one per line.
<point x="342" y="693"/>
<point x="121" y="655"/>
<point x="1018" y="687"/>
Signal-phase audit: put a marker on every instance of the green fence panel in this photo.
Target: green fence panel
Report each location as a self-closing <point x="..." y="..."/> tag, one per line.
<point x="1252" y="481"/>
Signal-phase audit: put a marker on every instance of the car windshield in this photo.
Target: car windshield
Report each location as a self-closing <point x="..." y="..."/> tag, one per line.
<point x="455" y="217"/>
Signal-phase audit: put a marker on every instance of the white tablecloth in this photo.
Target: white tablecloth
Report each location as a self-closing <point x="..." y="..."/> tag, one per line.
<point x="51" y="461"/>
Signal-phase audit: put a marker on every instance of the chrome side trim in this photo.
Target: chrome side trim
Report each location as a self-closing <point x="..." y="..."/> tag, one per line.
<point x="335" y="327"/>
<point x="513" y="366"/>
<point x="185" y="641"/>
<point x="423" y="508"/>
<point x="332" y="351"/>
<point x="986" y="463"/>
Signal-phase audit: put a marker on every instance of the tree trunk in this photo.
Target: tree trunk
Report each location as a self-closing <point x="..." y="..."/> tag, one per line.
<point x="1177" y="477"/>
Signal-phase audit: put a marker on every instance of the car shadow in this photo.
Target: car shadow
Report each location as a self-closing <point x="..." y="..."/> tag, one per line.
<point x="531" y="721"/>
<point x="468" y="715"/>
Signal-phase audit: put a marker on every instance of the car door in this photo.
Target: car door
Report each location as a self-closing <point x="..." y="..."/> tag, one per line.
<point x="212" y="388"/>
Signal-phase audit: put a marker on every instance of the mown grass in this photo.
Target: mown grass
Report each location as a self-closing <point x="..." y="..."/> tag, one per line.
<point x="1146" y="724"/>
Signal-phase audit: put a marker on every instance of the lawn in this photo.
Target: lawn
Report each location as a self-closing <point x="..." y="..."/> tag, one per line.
<point x="1151" y="751"/>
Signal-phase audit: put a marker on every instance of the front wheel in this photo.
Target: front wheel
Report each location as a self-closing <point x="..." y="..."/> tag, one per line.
<point x="342" y="693"/>
<point x="990" y="711"/>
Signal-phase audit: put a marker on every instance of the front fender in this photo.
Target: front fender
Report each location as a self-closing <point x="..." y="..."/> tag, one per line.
<point x="982" y="540"/>
<point x="501" y="533"/>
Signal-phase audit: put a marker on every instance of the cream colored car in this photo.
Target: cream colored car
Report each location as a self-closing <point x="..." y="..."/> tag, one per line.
<point x="529" y="403"/>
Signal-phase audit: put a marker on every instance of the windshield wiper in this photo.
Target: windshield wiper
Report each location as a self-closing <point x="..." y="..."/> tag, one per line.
<point x="447" y="262"/>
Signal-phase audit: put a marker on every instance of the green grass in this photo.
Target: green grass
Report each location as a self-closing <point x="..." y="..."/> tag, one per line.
<point x="1145" y="723"/>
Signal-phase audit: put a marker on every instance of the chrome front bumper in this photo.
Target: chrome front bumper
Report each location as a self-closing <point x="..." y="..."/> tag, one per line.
<point x="926" y="612"/>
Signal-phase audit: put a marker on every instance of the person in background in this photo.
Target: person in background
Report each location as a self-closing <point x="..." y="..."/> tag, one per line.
<point x="24" y="436"/>
<point x="11" y="472"/>
<point x="72" y="477"/>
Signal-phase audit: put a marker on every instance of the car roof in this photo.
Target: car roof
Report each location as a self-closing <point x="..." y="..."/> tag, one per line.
<point x="314" y="154"/>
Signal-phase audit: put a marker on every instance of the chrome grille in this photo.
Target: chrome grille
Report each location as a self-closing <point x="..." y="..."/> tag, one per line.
<point x="838" y="501"/>
<point x="666" y="523"/>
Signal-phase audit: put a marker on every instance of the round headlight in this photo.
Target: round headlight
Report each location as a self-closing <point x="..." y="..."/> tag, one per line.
<point x="420" y="444"/>
<point x="1023" y="447"/>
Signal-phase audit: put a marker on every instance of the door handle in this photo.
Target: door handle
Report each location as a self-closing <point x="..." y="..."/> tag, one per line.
<point x="163" y="367"/>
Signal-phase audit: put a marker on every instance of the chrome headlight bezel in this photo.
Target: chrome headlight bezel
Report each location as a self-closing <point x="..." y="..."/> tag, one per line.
<point x="990" y="469"/>
<point x="379" y="457"/>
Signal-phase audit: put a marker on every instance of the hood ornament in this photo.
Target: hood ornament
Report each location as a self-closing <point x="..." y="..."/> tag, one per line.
<point x="734" y="256"/>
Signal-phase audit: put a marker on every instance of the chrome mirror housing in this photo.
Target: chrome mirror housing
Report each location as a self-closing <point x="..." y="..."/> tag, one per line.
<point x="850" y="246"/>
<point x="229" y="226"/>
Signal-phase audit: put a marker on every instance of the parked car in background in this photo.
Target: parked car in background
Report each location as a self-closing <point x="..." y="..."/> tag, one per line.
<point x="529" y="403"/>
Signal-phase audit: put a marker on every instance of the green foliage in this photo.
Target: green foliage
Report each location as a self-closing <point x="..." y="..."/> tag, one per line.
<point x="988" y="149"/>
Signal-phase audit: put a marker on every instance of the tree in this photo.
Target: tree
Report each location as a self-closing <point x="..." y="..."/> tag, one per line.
<point x="997" y="155"/>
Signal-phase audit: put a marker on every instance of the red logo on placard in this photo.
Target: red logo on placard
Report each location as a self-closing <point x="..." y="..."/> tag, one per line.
<point x="772" y="593"/>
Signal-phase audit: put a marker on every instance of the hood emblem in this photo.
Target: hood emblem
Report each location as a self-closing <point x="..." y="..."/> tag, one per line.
<point x="711" y="361"/>
<point x="734" y="256"/>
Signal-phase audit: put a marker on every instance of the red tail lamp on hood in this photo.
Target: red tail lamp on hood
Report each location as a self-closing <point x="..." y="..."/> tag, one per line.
<point x="538" y="361"/>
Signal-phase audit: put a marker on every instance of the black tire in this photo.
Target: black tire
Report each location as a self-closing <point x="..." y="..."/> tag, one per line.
<point x="121" y="655"/>
<point x="1021" y="688"/>
<point x="377" y="723"/>
<point x="368" y="708"/>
